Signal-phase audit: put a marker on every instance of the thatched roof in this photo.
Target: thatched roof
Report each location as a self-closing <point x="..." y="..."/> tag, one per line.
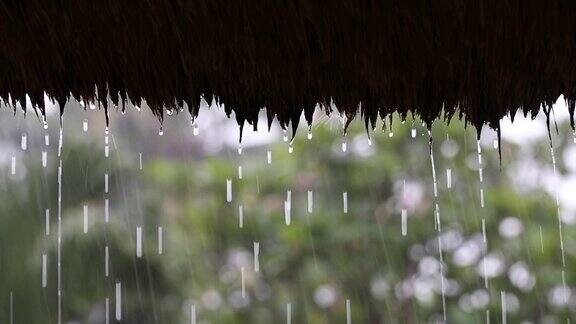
<point x="487" y="58"/>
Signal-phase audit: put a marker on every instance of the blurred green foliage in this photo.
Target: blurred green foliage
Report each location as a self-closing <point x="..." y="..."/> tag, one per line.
<point x="318" y="262"/>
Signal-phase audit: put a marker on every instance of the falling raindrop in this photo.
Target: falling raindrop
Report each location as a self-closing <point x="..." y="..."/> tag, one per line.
<point x="24" y="142"/>
<point x="348" y="312"/>
<point x="59" y="242"/>
<point x="369" y="142"/>
<point x="239" y="149"/>
<point x="11" y="307"/>
<point x="107" y="302"/>
<point x="138" y="241"/>
<point x="106" y="210"/>
<point x="243" y="282"/>
<point x="85" y="219"/>
<point x="106" y="261"/>
<point x="310" y="201"/>
<point x="85" y="125"/>
<point x="240" y="172"/>
<point x="228" y="190"/>
<point x="240" y="216"/>
<point x="106" y="182"/>
<point x="192" y="314"/>
<point x="288" y="207"/>
<point x="541" y="240"/>
<point x="504" y="309"/>
<point x="288" y="313"/>
<point x="13" y="166"/>
<point x="256" y="256"/>
<point x="345" y="202"/>
<point x="480" y="174"/>
<point x="404" y="222"/>
<point x="47" y="140"/>
<point x="449" y="178"/>
<point x="44" y="270"/>
<point x="344" y="145"/>
<point x="118" y="301"/>
<point x="47" y="221"/>
<point x="287" y="212"/>
<point x="44" y="159"/>
<point x="160" y="240"/>
<point x="269" y="156"/>
<point x="495" y="144"/>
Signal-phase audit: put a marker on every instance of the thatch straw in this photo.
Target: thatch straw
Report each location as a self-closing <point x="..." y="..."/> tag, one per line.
<point x="481" y="58"/>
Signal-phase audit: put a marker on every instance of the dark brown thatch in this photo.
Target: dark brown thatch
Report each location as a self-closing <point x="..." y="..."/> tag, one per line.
<point x="487" y="58"/>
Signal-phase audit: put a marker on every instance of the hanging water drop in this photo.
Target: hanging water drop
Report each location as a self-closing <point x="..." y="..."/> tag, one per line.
<point x="45" y="123"/>
<point x="413" y="132"/>
<point x="309" y="134"/>
<point x="285" y="136"/>
<point x="195" y="129"/>
<point x="290" y="148"/>
<point x="169" y="112"/>
<point x="161" y="131"/>
<point x="239" y="149"/>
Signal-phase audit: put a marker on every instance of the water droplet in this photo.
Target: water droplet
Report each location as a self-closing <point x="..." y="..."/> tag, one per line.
<point x="256" y="256"/>
<point x="85" y="125"/>
<point x="285" y="137"/>
<point x="239" y="149"/>
<point x="345" y="202"/>
<point x="413" y="132"/>
<point x="24" y="142"/>
<point x="138" y="241"/>
<point x="160" y="240"/>
<point x="228" y="190"/>
<point x="391" y="134"/>
<point x="309" y="134"/>
<point x="240" y="216"/>
<point x="161" y="131"/>
<point x="344" y="146"/>
<point x="269" y="156"/>
<point x="85" y="219"/>
<point x="44" y="270"/>
<point x="404" y="222"/>
<point x="310" y="201"/>
<point x="118" y="301"/>
<point x="195" y="129"/>
<point x="13" y="166"/>
<point x="290" y="148"/>
<point x="45" y="125"/>
<point x="169" y="112"/>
